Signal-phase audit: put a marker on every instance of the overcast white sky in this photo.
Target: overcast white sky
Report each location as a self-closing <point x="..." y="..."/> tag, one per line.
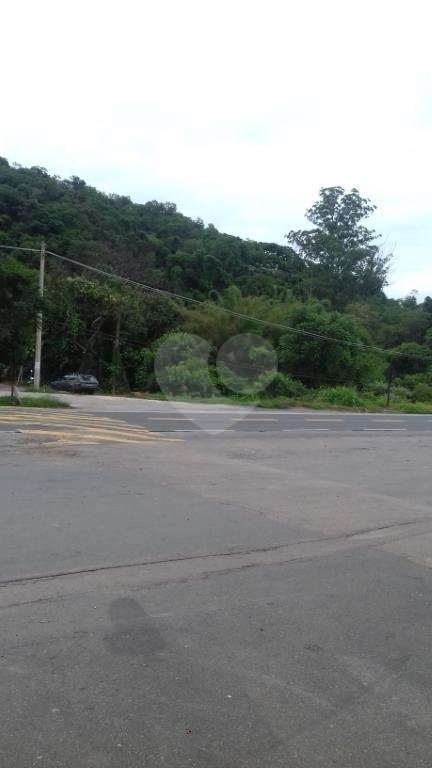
<point x="236" y="111"/>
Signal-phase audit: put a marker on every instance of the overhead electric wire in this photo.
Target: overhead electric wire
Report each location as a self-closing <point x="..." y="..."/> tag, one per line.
<point x="218" y="307"/>
<point x="241" y="315"/>
<point x="261" y="369"/>
<point x="19" y="248"/>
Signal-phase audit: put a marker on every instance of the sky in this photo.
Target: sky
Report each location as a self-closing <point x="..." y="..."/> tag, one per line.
<point x="239" y="112"/>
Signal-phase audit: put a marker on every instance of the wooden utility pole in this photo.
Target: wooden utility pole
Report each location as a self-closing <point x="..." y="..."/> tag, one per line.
<point x="389" y="374"/>
<point x="39" y="320"/>
<point x="116" y="354"/>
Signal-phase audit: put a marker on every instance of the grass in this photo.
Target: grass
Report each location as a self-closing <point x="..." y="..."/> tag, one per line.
<point x="368" y="405"/>
<point x="412" y="407"/>
<point x="45" y="388"/>
<point x="43" y="401"/>
<point x="312" y="400"/>
<point x="213" y="400"/>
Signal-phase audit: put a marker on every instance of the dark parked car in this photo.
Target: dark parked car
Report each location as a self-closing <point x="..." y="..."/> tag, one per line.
<point x="76" y="382"/>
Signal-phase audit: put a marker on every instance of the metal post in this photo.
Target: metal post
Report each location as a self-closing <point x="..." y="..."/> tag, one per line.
<point x="38" y="348"/>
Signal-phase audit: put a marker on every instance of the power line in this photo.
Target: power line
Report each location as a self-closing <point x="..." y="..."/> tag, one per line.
<point x="19" y="248"/>
<point x="188" y="299"/>
<point x="131" y="342"/>
<point x="233" y="313"/>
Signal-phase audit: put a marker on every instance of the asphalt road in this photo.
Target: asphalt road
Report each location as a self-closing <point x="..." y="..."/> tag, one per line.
<point x="172" y="420"/>
<point x="227" y="600"/>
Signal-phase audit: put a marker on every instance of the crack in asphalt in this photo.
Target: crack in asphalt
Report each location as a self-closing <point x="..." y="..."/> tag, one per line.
<point x="234" y="552"/>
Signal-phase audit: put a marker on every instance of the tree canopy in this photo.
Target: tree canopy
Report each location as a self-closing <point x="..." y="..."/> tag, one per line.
<point x="326" y="282"/>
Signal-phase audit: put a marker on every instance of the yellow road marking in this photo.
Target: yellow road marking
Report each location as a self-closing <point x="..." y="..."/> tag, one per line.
<point x="118" y="427"/>
<point x="144" y="433"/>
<point x="79" y="424"/>
<point x="64" y="435"/>
<point x="61" y="417"/>
<point x="69" y="442"/>
<point x="80" y="429"/>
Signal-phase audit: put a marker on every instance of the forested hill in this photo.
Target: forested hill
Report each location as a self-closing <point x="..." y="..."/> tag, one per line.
<point x="327" y="282"/>
<point x="144" y="242"/>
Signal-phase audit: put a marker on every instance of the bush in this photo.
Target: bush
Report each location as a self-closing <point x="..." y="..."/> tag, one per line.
<point x="144" y="374"/>
<point x="410" y="357"/>
<point x="188" y="378"/>
<point x="229" y="382"/>
<point x="280" y="385"/>
<point x="177" y="347"/>
<point x="400" y="393"/>
<point x="411" y="380"/>
<point x="347" y="396"/>
<point x="423" y="393"/>
<point x="377" y="389"/>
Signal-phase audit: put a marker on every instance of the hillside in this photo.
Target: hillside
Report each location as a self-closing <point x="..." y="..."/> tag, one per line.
<point x="144" y="242"/>
<point x="326" y="282"/>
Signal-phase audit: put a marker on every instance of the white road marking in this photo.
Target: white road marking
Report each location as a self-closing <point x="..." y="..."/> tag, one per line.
<point x="254" y="418"/>
<point x="388" y="421"/>
<point x="382" y="429"/>
<point x="167" y="418"/>
<point x="322" y="420"/>
<point x="308" y="429"/>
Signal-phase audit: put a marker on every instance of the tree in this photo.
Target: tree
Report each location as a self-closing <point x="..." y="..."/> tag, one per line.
<point x="410" y="357"/>
<point x="340" y="252"/>
<point x="317" y="361"/>
<point x="19" y="302"/>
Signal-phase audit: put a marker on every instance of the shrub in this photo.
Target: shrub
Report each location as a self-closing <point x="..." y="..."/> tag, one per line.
<point x="411" y="380"/>
<point x="230" y="382"/>
<point x="144" y="375"/>
<point x="423" y="393"/>
<point x="176" y="347"/>
<point x="377" y="388"/>
<point x="347" y="396"/>
<point x="189" y="377"/>
<point x="280" y="385"/>
<point x="410" y="357"/>
<point x="400" y="393"/>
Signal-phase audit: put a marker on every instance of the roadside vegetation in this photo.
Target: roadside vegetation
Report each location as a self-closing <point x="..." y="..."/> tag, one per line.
<point x="42" y="401"/>
<point x="318" y="301"/>
<point x="325" y="399"/>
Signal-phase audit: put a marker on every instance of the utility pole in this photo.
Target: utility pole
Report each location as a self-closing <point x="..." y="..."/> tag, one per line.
<point x="116" y="353"/>
<point x="389" y="374"/>
<point x="38" y="348"/>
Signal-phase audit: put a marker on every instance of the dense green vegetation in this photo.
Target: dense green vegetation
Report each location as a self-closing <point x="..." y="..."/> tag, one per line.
<point x="320" y="298"/>
<point x="36" y="401"/>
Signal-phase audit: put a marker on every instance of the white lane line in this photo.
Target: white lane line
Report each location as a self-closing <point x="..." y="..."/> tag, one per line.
<point x="381" y="429"/>
<point x="388" y="421"/>
<point x="307" y="429"/>
<point x="211" y="431"/>
<point x="253" y="418"/>
<point x="190" y="412"/>
<point x="322" y="420"/>
<point x="167" y="418"/>
<point x="181" y="431"/>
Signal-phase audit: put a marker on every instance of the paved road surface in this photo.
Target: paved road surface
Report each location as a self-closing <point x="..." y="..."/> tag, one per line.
<point x="239" y="600"/>
<point x="274" y="421"/>
<point x="162" y="417"/>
